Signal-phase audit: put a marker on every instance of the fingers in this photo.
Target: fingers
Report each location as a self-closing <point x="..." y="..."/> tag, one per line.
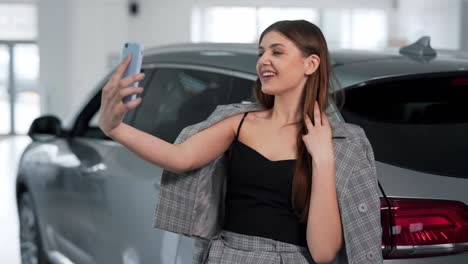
<point x="129" y="91"/>
<point x="325" y="119"/>
<point x="121" y="69"/>
<point x="129" y="80"/>
<point x="320" y="118"/>
<point x="317" y="115"/>
<point x="132" y="104"/>
<point x="111" y="88"/>
<point x="308" y="122"/>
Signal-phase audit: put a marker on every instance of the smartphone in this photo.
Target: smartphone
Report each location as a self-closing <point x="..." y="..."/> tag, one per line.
<point x="134" y="67"/>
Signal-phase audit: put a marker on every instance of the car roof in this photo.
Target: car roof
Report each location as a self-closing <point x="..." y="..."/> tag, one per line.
<point x="387" y="65"/>
<point x="352" y="66"/>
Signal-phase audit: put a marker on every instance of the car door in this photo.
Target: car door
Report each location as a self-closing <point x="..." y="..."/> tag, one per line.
<point x="126" y="190"/>
<point x="68" y="224"/>
<point x="83" y="147"/>
<point x="66" y="217"/>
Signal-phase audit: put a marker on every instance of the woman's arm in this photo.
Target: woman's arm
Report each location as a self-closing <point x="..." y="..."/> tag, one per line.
<point x="193" y="153"/>
<point x="324" y="236"/>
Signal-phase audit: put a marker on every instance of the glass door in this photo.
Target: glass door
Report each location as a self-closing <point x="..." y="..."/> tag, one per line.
<point x="19" y="67"/>
<point x="19" y="91"/>
<point x="27" y="99"/>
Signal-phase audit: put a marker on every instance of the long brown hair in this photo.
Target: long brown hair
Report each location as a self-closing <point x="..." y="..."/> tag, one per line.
<point x="310" y="40"/>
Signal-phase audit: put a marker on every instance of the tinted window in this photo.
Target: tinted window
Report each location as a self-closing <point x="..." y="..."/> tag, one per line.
<point x="93" y="130"/>
<point x="242" y="90"/>
<point x="176" y="98"/>
<point x="86" y="124"/>
<point x="419" y="124"/>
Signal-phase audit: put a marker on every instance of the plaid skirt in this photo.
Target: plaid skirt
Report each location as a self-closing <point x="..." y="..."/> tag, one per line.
<point x="234" y="248"/>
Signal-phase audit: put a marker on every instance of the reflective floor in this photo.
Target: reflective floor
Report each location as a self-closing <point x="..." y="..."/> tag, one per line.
<point x="10" y="151"/>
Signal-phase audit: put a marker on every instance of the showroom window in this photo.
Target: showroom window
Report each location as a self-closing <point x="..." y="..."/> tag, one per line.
<point x="354" y="29"/>
<point x="19" y="68"/>
<point x="343" y="28"/>
<point x="222" y="24"/>
<point x="267" y="16"/>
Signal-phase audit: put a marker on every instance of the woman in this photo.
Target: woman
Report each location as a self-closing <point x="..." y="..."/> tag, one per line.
<point x="270" y="182"/>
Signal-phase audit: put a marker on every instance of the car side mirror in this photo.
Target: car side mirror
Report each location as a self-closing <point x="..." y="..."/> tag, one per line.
<point x="45" y="128"/>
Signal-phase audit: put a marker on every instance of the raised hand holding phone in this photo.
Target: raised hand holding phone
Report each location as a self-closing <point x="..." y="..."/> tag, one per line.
<point x="113" y="108"/>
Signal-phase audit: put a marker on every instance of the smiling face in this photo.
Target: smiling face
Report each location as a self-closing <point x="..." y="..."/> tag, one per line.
<point x="281" y="65"/>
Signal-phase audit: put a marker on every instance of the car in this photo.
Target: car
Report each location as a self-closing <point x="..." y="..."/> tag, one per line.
<point x="84" y="198"/>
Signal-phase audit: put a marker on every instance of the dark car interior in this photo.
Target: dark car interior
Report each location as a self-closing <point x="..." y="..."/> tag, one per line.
<point x="401" y="116"/>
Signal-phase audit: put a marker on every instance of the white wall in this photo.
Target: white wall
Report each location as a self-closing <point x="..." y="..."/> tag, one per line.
<point x="162" y="22"/>
<point x="75" y="40"/>
<point x="54" y="53"/>
<point x="464" y="26"/>
<point x="442" y="20"/>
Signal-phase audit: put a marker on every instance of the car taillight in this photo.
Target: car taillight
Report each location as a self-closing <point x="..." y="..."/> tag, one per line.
<point x="460" y="81"/>
<point x="423" y="227"/>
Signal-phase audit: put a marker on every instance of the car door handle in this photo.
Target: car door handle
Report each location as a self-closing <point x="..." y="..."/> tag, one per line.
<point x="94" y="169"/>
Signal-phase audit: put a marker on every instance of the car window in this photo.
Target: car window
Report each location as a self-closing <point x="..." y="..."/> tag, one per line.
<point x="95" y="120"/>
<point x="418" y="123"/>
<point x="87" y="124"/>
<point x="176" y="98"/>
<point x="242" y="90"/>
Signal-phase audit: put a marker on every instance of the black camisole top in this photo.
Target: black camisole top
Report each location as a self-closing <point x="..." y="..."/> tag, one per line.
<point x="258" y="196"/>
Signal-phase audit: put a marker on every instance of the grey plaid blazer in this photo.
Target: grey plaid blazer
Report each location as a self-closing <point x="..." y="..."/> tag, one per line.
<point x="192" y="203"/>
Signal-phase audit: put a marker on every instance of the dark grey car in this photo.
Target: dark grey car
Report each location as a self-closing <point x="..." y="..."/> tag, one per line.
<point x="84" y="198"/>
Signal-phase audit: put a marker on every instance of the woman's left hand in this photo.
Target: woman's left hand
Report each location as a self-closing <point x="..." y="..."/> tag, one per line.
<point x="318" y="140"/>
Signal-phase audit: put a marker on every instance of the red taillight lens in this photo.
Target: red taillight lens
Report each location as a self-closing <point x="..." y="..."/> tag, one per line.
<point x="460" y="81"/>
<point x="424" y="227"/>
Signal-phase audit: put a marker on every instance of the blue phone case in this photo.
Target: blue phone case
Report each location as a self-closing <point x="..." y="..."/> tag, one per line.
<point x="134" y="67"/>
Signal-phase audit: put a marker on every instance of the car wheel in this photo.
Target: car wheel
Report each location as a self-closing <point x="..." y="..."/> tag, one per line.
<point x="30" y="242"/>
